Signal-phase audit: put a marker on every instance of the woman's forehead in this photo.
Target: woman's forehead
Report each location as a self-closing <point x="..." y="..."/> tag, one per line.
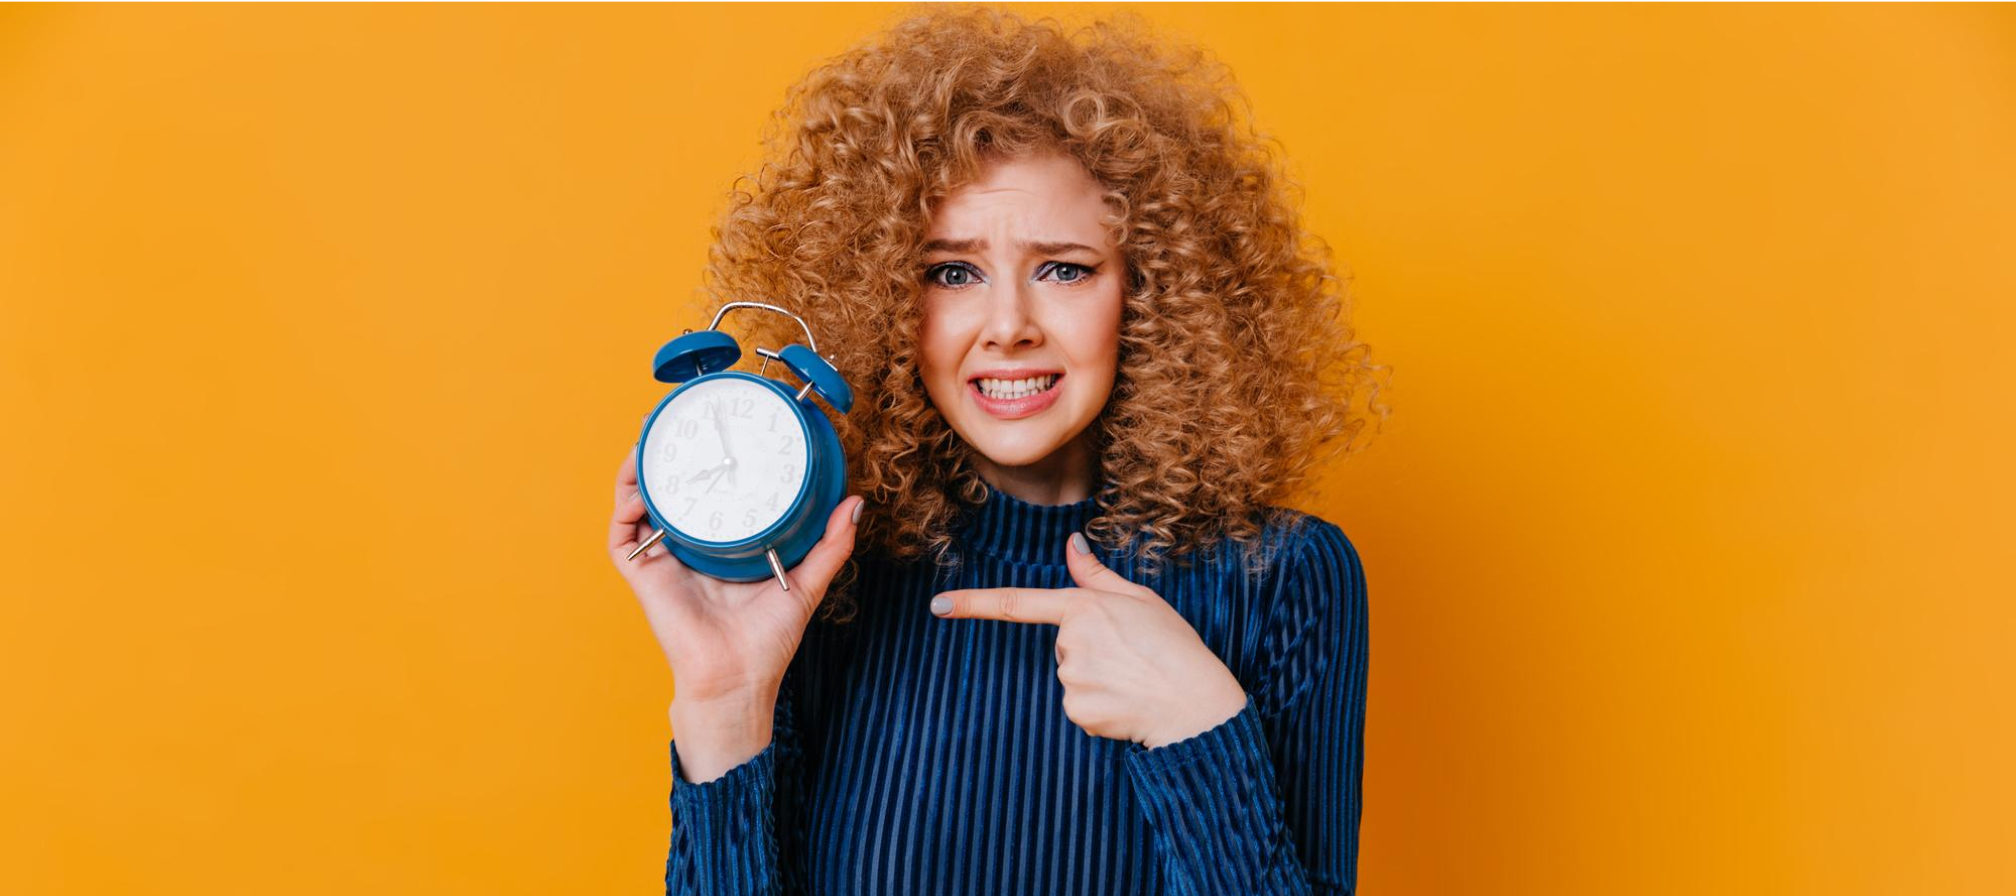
<point x="1051" y="199"/>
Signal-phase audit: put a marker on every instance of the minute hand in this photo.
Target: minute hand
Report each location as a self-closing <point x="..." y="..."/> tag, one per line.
<point x="727" y="456"/>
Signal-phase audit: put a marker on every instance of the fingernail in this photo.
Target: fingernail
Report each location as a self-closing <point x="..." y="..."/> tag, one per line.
<point x="855" y="516"/>
<point x="1078" y="542"/>
<point x="941" y="605"/>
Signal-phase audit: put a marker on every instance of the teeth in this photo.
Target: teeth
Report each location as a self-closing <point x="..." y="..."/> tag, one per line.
<point x="1012" y="389"/>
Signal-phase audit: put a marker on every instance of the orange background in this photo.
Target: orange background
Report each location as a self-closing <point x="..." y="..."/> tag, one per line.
<point x="324" y="328"/>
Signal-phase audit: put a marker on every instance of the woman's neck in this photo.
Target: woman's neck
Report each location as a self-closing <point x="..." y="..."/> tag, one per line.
<point x="1065" y="477"/>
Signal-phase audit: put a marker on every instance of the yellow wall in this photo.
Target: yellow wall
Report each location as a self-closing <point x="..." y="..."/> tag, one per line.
<point x="323" y="330"/>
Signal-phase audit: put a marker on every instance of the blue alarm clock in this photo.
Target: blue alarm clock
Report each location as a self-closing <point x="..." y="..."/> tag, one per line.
<point x="739" y="473"/>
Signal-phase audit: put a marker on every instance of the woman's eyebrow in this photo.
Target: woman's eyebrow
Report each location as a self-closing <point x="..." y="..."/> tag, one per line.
<point x="976" y="245"/>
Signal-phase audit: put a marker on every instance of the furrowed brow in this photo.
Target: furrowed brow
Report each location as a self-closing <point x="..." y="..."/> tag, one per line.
<point x="976" y="245"/>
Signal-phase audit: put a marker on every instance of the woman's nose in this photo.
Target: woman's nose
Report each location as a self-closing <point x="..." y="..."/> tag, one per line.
<point x="1009" y="322"/>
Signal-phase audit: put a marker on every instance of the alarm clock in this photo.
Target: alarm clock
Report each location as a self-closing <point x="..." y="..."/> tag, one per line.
<point x="738" y="472"/>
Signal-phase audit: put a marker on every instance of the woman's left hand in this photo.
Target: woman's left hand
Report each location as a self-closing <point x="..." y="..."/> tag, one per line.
<point x="1132" y="667"/>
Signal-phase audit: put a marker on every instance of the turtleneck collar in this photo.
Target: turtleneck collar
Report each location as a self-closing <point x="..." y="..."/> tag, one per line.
<point x="1009" y="527"/>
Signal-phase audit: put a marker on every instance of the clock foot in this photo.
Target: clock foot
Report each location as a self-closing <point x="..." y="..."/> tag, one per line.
<point x="777" y="567"/>
<point x="647" y="544"/>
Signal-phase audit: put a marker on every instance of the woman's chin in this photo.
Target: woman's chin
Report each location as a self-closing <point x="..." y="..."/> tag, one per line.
<point x="1015" y="443"/>
<point x="1015" y="453"/>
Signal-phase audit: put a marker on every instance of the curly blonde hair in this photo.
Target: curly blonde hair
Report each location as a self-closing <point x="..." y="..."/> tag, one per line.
<point x="1236" y="359"/>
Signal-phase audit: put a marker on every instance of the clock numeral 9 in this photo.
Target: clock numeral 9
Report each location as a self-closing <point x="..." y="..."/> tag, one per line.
<point x="667" y="450"/>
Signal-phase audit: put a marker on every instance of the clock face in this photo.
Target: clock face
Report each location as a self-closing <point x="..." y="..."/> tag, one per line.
<point x="724" y="459"/>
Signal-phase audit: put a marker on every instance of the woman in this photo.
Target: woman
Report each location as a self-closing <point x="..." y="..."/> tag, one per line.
<point x="1080" y="650"/>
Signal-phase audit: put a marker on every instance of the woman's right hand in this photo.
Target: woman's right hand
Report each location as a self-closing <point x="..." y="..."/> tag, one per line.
<point x="728" y="642"/>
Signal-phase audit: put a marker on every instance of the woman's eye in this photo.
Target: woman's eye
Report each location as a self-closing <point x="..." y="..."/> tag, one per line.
<point x="1070" y="273"/>
<point x="963" y="275"/>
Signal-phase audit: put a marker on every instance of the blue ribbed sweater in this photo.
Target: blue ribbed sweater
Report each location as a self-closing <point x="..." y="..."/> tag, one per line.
<point x="912" y="754"/>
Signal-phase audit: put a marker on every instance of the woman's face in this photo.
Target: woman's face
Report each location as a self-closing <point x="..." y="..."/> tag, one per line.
<point x="1021" y="331"/>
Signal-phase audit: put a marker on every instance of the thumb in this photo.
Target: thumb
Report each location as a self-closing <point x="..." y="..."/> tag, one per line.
<point x="820" y="565"/>
<point x="1088" y="572"/>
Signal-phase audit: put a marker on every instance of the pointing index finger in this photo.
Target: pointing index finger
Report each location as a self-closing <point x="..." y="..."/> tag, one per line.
<point x="1009" y="604"/>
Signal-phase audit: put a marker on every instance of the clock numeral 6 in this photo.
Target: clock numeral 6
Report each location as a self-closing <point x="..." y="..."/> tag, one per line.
<point x="714" y="521"/>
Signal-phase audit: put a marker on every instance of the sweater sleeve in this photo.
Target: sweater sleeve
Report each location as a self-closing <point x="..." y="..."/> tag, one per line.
<point x="1269" y="800"/>
<point x="739" y="833"/>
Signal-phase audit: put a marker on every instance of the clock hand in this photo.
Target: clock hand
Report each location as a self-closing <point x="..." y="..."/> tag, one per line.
<point x="728" y="456"/>
<point x="721" y="427"/>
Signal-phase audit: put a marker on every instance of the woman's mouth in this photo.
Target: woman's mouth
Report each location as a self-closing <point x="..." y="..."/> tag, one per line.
<point x="1012" y="398"/>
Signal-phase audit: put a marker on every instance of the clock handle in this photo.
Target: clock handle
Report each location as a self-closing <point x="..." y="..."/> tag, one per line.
<point x="647" y="544"/>
<point x="777" y="567"/>
<point x="715" y="324"/>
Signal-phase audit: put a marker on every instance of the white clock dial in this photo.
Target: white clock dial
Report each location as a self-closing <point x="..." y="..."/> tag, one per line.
<point x="724" y="460"/>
